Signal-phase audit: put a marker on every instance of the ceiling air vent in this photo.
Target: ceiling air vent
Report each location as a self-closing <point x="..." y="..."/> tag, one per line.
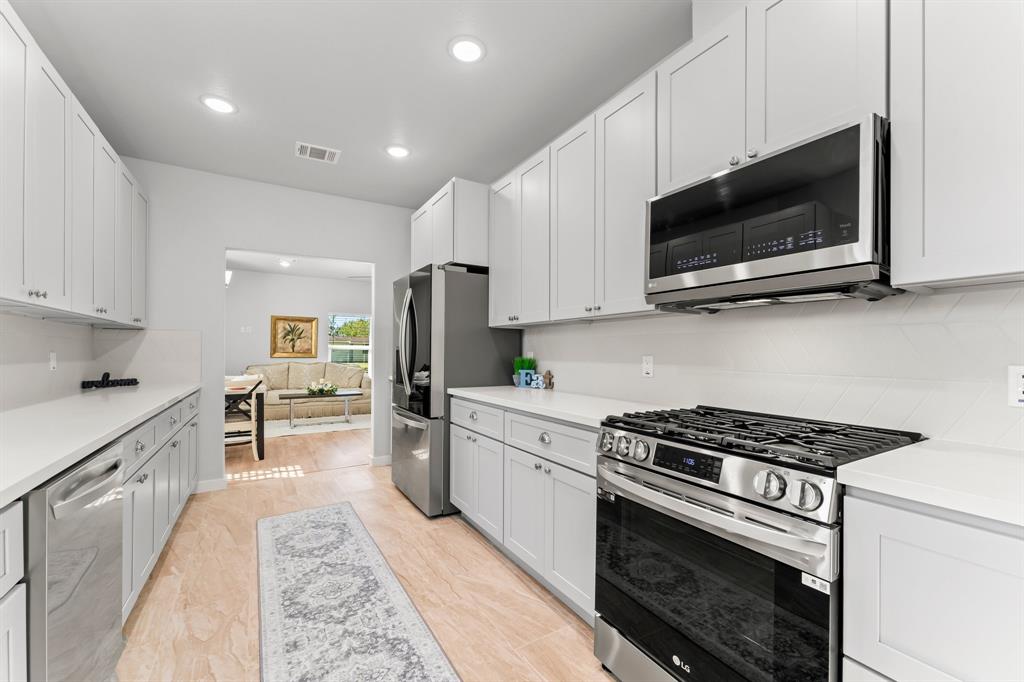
<point x="304" y="150"/>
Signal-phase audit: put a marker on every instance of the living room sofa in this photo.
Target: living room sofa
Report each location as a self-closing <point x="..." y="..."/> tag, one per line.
<point x="288" y="377"/>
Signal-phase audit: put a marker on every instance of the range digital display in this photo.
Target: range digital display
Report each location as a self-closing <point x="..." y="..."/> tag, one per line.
<point x="683" y="461"/>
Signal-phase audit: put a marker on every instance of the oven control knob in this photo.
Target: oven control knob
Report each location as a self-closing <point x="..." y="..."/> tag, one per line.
<point x="769" y="484"/>
<point x="641" y="450"/>
<point x="805" y="496"/>
<point x="607" y="442"/>
<point x="622" y="445"/>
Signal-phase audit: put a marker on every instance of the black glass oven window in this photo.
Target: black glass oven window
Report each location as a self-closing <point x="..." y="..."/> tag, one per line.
<point x="691" y="598"/>
<point x="802" y="199"/>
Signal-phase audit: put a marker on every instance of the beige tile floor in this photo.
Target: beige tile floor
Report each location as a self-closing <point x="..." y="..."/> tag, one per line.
<point x="198" y="618"/>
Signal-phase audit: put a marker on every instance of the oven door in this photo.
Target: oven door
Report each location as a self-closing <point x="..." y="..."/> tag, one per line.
<point x="710" y="587"/>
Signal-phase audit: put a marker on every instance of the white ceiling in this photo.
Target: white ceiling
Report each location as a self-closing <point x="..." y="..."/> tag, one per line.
<point x="355" y="75"/>
<point x="301" y="266"/>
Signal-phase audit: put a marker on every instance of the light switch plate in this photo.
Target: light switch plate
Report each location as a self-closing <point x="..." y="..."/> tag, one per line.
<point x="1015" y="385"/>
<point x="647" y="365"/>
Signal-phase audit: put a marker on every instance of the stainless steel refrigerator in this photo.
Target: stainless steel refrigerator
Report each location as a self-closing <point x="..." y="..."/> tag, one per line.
<point x="442" y="341"/>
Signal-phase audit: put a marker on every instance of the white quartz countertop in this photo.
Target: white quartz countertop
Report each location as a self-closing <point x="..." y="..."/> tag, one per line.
<point x="586" y="410"/>
<point x="972" y="479"/>
<point x="39" y="441"/>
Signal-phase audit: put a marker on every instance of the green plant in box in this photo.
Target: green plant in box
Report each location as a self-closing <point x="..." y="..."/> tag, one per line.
<point x="521" y="363"/>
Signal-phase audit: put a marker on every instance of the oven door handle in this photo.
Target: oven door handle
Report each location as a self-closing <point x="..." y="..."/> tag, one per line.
<point x="805" y="553"/>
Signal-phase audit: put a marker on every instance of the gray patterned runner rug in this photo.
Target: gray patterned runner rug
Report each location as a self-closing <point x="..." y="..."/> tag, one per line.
<point x="331" y="609"/>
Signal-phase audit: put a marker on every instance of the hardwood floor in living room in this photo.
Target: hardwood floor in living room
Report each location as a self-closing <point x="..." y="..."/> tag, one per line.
<point x="198" y="616"/>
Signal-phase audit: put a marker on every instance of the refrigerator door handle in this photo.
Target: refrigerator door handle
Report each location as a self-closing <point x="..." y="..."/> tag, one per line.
<point x="409" y="422"/>
<point x="403" y="335"/>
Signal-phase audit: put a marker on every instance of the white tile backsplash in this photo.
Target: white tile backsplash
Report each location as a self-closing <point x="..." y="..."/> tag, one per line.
<point x="931" y="363"/>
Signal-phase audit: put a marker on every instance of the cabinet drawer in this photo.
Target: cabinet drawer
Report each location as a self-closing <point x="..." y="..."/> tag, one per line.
<point x="190" y="405"/>
<point x="12" y="553"/>
<point x="138" y="444"/>
<point x="168" y="421"/>
<point x="487" y="421"/>
<point x="568" y="445"/>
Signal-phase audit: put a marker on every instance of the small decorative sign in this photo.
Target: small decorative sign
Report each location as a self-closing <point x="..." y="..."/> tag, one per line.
<point x="106" y="382"/>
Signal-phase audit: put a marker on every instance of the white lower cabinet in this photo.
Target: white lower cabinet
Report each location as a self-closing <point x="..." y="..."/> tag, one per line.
<point x="570" y="522"/>
<point x="140" y="551"/>
<point x="477" y="480"/>
<point x="524" y="507"/>
<point x="462" y="477"/>
<point x="930" y="597"/>
<point x="13" y="636"/>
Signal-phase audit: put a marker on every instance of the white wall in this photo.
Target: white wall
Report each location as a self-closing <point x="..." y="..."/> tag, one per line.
<point x="253" y="297"/>
<point x="196" y="216"/>
<point x="25" y="346"/>
<point x="934" y="364"/>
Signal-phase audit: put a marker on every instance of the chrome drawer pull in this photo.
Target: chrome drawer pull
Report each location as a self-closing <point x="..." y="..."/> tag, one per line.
<point x="537" y="466"/>
<point x="139" y="446"/>
<point x="545" y="438"/>
<point x="473" y="415"/>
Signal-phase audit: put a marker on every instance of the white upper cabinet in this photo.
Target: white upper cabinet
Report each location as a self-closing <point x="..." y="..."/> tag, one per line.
<point x="505" y="282"/>
<point x="572" y="223"/>
<point x="123" y="245"/>
<point x="140" y="253"/>
<point x="812" y="66"/>
<point x="422" y="251"/>
<point x="702" y="96"/>
<point x="957" y="81"/>
<point x="534" y="189"/>
<point x="14" y="47"/>
<point x="452" y="226"/>
<point x="625" y="180"/>
<point x="94" y="176"/>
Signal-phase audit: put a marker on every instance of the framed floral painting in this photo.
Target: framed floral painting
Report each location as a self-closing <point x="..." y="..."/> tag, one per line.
<point x="292" y="337"/>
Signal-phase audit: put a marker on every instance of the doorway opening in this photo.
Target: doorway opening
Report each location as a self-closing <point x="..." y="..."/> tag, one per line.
<point x="297" y="373"/>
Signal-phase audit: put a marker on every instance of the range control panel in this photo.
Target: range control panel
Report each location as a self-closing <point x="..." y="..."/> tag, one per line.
<point x="688" y="462"/>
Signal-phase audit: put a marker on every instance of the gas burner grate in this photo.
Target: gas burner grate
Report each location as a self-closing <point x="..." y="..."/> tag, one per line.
<point x="819" y="443"/>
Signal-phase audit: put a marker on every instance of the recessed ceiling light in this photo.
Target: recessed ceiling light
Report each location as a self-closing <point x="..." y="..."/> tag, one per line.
<point x="466" y="49"/>
<point x="218" y="104"/>
<point x="397" y="151"/>
<point x="285" y="263"/>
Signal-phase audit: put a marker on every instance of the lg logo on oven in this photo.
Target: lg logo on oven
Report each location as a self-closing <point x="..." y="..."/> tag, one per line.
<point x="677" y="662"/>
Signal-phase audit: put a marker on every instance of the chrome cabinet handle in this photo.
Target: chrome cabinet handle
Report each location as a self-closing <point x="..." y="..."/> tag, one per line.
<point x="142" y="478"/>
<point x="547" y="470"/>
<point x="191" y="406"/>
<point x="734" y="160"/>
<point x="751" y="153"/>
<point x="473" y="415"/>
<point x="174" y="443"/>
<point x="139" y="446"/>
<point x="42" y="294"/>
<point x="545" y="438"/>
<point x="587" y="308"/>
<point x="597" y="307"/>
<point x="173" y="420"/>
<point x="33" y="292"/>
<point x="537" y="466"/>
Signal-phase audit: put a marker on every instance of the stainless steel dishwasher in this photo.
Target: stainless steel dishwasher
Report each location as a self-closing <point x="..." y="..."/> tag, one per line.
<point x="73" y="547"/>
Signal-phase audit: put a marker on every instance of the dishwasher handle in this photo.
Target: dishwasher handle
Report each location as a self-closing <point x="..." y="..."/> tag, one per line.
<point x="90" y="494"/>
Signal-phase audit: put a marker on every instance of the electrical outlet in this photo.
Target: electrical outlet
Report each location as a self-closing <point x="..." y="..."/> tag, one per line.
<point x="529" y="354"/>
<point x="1015" y="385"/>
<point x="53" y="361"/>
<point x="647" y="365"/>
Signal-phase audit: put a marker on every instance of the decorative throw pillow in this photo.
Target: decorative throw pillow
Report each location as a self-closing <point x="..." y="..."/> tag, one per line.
<point x="302" y="374"/>
<point x="344" y="376"/>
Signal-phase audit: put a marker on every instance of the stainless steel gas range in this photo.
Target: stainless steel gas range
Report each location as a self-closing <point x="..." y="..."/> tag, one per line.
<point x="718" y="543"/>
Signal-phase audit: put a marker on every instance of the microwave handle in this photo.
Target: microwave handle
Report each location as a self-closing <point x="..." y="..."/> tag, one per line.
<point x="804" y="553"/>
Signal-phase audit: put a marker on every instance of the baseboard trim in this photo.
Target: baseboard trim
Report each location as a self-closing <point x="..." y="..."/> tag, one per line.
<point x="380" y="461"/>
<point x="210" y="485"/>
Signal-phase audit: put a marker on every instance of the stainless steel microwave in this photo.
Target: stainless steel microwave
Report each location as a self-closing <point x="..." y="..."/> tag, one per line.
<point x="804" y="223"/>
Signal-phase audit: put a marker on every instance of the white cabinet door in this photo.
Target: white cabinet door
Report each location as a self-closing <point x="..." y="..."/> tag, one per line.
<point x="462" y="476"/>
<point x="534" y="181"/>
<point x="140" y="257"/>
<point x="47" y="224"/>
<point x="505" y="253"/>
<point x="193" y="454"/>
<point x="626" y="161"/>
<point x="442" y="224"/>
<point x="14" y="48"/>
<point x="104" y="227"/>
<point x="957" y="178"/>
<point x="84" y="145"/>
<point x="570" y="525"/>
<point x="161" y="495"/>
<point x="926" y="598"/>
<point x="123" y="245"/>
<point x="525" y="491"/>
<point x="572" y="223"/>
<point x="174" y="481"/>
<point x="471" y="202"/>
<point x="490" y="480"/>
<point x="422" y="250"/>
<point x="812" y="66"/>
<point x="184" y="476"/>
<point x="702" y="105"/>
<point x="14" y="636"/>
<point x="140" y="504"/>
